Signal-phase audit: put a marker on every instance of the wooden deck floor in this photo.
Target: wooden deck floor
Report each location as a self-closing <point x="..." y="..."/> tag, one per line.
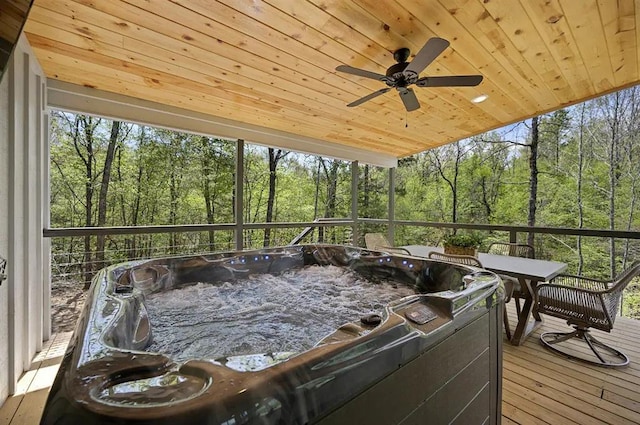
<point x="539" y="387"/>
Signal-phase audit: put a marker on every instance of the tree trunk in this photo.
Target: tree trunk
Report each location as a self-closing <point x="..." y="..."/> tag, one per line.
<point x="613" y="179"/>
<point x="208" y="201"/>
<point x="173" y="211"/>
<point x="366" y="187"/>
<point x="315" y="201"/>
<point x="104" y="189"/>
<point x="452" y="182"/>
<point x="88" y="191"/>
<point x="579" y="188"/>
<point x="275" y="155"/>
<point x="533" y="178"/>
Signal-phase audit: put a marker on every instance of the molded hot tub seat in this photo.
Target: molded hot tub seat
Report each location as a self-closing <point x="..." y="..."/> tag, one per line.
<point x="435" y="353"/>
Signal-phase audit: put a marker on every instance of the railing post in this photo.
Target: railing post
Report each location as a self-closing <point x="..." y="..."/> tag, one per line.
<point x="239" y="191"/>
<point x="354" y="201"/>
<point x="513" y="236"/>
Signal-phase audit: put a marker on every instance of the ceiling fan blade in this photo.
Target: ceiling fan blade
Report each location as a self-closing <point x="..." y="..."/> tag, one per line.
<point x="361" y="72"/>
<point x="450" y="81"/>
<point x="369" y="97"/>
<point x="431" y="50"/>
<point x="409" y="99"/>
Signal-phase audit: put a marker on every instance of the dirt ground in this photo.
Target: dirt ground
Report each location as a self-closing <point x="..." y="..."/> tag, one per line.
<point x="67" y="300"/>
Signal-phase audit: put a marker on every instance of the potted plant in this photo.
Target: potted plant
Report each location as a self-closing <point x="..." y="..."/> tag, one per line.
<point x="462" y="243"/>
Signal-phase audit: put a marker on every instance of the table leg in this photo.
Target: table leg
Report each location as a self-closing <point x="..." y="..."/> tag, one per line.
<point x="525" y="327"/>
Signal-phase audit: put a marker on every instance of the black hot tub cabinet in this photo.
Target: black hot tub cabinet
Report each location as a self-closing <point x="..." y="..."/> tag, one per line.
<point x="435" y="357"/>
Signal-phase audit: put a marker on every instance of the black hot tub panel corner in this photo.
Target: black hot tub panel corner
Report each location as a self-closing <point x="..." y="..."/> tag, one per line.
<point x="432" y="357"/>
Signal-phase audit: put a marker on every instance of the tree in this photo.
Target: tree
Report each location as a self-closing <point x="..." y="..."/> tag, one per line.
<point x="104" y="189"/>
<point x="447" y="161"/>
<point x="533" y="178"/>
<point x="275" y="155"/>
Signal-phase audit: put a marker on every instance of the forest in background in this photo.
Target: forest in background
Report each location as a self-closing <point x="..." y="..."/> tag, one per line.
<point x="576" y="167"/>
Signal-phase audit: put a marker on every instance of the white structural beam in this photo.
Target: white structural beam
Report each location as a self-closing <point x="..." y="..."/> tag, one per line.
<point x="23" y="189"/>
<point x="75" y="98"/>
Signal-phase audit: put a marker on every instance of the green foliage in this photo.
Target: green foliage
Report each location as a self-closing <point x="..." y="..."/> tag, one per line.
<point x="466" y="240"/>
<point x="588" y="177"/>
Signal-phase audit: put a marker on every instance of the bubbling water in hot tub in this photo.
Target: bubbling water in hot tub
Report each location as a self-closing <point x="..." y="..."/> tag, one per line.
<point x="284" y="313"/>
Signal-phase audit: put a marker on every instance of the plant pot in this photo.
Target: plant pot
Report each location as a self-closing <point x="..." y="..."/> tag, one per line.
<point x="461" y="250"/>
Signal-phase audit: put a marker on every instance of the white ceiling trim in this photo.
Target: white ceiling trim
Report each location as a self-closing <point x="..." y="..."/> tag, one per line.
<point x="80" y="99"/>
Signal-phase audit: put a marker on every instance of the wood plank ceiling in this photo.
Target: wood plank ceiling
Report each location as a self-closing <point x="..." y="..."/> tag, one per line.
<point x="271" y="63"/>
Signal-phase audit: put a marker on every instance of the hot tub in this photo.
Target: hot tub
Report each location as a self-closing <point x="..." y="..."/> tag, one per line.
<point x="433" y="350"/>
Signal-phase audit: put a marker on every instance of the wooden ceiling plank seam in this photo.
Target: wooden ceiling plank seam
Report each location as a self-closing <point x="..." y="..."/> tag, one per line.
<point x="473" y="13"/>
<point x="35" y="39"/>
<point x="619" y="29"/>
<point x="457" y="109"/>
<point x="436" y="15"/>
<point x="548" y="19"/>
<point x="580" y="17"/>
<point x="139" y="31"/>
<point x="462" y="104"/>
<point x="524" y="35"/>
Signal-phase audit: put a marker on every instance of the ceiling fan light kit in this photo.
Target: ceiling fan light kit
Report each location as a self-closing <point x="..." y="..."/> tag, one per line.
<point x="403" y="74"/>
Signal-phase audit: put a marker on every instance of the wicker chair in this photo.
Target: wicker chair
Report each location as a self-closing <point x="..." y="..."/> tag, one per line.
<point x="511" y="285"/>
<point x="512" y="249"/>
<point x="585" y="303"/>
<point x="379" y="242"/>
<point x="467" y="260"/>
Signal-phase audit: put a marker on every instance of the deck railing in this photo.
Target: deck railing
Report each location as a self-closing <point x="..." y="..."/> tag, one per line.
<point x="70" y="261"/>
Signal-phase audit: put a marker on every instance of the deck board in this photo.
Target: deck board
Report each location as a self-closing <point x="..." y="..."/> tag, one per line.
<point x="539" y="387"/>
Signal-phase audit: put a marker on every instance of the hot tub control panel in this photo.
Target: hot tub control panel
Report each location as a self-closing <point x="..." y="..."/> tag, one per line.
<point x="420" y="314"/>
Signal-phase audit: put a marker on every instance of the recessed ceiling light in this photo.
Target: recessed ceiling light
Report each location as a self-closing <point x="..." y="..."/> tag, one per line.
<point x="480" y="98"/>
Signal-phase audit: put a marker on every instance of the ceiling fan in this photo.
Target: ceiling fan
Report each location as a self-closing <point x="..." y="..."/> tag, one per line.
<point x="403" y="74"/>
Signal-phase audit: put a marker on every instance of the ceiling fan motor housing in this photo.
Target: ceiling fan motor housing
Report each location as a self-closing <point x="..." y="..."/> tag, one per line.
<point x="397" y="77"/>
